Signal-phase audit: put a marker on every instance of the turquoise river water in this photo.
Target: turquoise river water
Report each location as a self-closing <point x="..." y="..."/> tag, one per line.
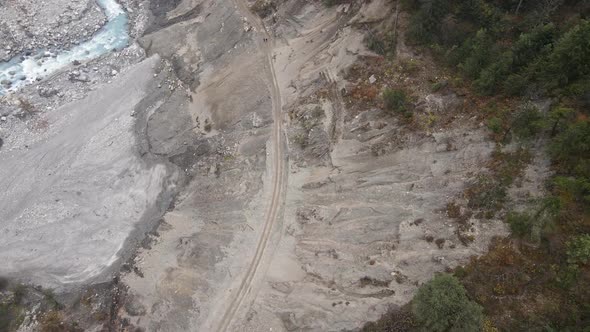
<point x="113" y="35"/>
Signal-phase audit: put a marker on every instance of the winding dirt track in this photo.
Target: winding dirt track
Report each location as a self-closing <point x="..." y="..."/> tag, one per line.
<point x="277" y="178"/>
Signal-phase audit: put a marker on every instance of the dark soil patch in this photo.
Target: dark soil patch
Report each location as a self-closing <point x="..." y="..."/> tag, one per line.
<point x="160" y="8"/>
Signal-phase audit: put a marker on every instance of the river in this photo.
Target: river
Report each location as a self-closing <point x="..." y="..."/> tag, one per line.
<point x="40" y="64"/>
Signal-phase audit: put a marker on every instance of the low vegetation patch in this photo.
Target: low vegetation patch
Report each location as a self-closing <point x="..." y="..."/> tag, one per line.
<point x="502" y="55"/>
<point x="396" y="102"/>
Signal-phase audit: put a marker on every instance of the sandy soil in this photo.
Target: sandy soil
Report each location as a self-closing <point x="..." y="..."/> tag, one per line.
<point x="209" y="240"/>
<point x="73" y="194"/>
<point x="291" y="210"/>
<point x="355" y="227"/>
<point x="350" y="237"/>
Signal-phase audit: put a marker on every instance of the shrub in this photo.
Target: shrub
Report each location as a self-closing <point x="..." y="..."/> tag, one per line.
<point x="395" y="319"/>
<point x="567" y="275"/>
<point x="578" y="249"/>
<point x="486" y="193"/>
<point x="409" y="66"/>
<point x="521" y="224"/>
<point x="572" y="190"/>
<point x="495" y="125"/>
<point x="384" y="45"/>
<point x="395" y="101"/>
<point x="439" y="86"/>
<point x="52" y="322"/>
<point x="442" y="305"/>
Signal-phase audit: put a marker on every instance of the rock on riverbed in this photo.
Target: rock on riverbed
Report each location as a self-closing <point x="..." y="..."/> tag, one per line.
<point x="47" y="24"/>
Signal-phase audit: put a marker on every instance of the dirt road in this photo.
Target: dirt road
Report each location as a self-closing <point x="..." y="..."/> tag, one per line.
<point x="243" y="294"/>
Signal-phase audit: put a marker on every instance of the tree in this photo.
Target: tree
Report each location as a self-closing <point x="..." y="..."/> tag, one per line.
<point x="532" y="44"/>
<point x="442" y="305"/>
<point x="425" y="25"/>
<point x="570" y="59"/>
<point x="490" y="78"/>
<point x="478" y="53"/>
<point x="528" y="121"/>
<point x="518" y="7"/>
<point x="558" y="116"/>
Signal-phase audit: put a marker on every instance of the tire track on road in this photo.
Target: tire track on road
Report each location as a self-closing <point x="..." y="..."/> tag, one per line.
<point x="277" y="178"/>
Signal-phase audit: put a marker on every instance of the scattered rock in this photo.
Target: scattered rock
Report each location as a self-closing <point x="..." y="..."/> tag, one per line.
<point x="134" y="308"/>
<point x="372" y="79"/>
<point x="76" y="76"/>
<point x="48" y="92"/>
<point x="439" y="259"/>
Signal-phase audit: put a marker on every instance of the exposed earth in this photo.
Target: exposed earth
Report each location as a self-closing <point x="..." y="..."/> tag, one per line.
<point x="218" y="175"/>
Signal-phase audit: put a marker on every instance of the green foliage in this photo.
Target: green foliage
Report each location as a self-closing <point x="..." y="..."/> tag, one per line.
<point x="530" y="45"/>
<point x="571" y="149"/>
<point x="532" y="225"/>
<point x="442" y="305"/>
<point x="578" y="249"/>
<point x="499" y="55"/>
<point x="439" y="85"/>
<point x="569" y="61"/>
<point x="396" y="101"/>
<point x="495" y="125"/>
<point x="573" y="189"/>
<point x="515" y="84"/>
<point x="557" y="117"/>
<point x="481" y="13"/>
<point x="384" y="45"/>
<point x="11" y="310"/>
<point x="567" y="275"/>
<point x="396" y="319"/>
<point x="521" y="224"/>
<point x="477" y="54"/>
<point x="425" y="24"/>
<point x="490" y="79"/>
<point x="527" y="122"/>
<point x="532" y="49"/>
<point x="505" y="71"/>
